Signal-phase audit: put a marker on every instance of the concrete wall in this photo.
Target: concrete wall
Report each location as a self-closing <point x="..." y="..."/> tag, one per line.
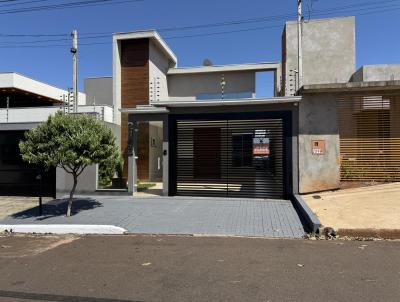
<point x="318" y="121"/>
<point x="383" y="72"/>
<point x="158" y="68"/>
<point x="185" y="87"/>
<point x="87" y="181"/>
<point x="17" y="126"/>
<point x="100" y="89"/>
<point x="328" y="51"/>
<point x="116" y="78"/>
<point x="116" y="130"/>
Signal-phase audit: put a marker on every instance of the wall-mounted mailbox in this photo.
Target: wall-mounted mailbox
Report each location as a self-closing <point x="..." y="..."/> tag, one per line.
<point x="318" y="147"/>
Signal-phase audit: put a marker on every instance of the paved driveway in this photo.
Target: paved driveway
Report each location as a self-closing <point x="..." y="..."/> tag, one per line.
<point x="175" y="215"/>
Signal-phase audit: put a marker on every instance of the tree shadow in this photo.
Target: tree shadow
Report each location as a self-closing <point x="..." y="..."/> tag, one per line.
<point x="57" y="208"/>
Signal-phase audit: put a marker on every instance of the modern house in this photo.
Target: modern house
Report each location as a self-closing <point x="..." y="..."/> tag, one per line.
<point x="204" y="131"/>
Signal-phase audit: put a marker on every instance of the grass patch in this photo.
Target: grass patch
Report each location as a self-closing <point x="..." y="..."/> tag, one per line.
<point x="143" y="186"/>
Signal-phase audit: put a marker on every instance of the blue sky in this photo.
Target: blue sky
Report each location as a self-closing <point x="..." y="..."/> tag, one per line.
<point x="376" y="33"/>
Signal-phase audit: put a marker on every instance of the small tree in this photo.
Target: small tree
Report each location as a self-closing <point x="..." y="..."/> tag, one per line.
<point x="71" y="142"/>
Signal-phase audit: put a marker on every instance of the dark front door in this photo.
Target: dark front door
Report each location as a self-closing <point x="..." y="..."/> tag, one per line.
<point x="18" y="178"/>
<point x="207" y="152"/>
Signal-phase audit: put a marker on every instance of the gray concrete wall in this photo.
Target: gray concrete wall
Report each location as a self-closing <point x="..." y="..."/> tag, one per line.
<point x="17" y="126"/>
<point x="158" y="68"/>
<point x="87" y="181"/>
<point x="383" y="72"/>
<point x="318" y="121"/>
<point x="116" y="130"/>
<point x="328" y="51"/>
<point x="99" y="88"/>
<point x="185" y="87"/>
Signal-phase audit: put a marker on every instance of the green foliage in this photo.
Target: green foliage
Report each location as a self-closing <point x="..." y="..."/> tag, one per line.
<point x="108" y="170"/>
<point x="106" y="173"/>
<point x="143" y="186"/>
<point x="71" y="142"/>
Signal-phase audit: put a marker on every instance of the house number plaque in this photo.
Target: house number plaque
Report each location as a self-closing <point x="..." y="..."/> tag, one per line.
<point x="318" y="147"/>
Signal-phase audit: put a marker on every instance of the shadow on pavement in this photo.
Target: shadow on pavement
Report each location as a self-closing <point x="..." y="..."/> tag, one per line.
<point x="47" y="297"/>
<point x="58" y="207"/>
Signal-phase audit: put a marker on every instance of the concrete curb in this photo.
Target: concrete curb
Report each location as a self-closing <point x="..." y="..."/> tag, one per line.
<point x="81" y="229"/>
<point x="370" y="233"/>
<point x="311" y="220"/>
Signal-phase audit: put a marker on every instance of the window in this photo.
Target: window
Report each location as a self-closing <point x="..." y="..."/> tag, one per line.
<point x="226" y="96"/>
<point x="242" y="150"/>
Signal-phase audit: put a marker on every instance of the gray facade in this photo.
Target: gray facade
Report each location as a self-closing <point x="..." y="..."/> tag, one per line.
<point x="99" y="91"/>
<point x="190" y="87"/>
<point x="318" y="120"/>
<point x="373" y="73"/>
<point x="328" y="52"/>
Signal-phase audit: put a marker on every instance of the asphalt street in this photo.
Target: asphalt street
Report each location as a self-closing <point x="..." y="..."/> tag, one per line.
<point x="179" y="268"/>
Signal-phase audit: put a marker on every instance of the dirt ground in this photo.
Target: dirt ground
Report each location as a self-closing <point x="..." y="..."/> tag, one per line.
<point x="14" y="204"/>
<point x="370" y="207"/>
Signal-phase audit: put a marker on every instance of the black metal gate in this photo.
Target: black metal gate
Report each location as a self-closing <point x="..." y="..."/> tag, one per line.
<point x="230" y="157"/>
<point x="18" y="178"/>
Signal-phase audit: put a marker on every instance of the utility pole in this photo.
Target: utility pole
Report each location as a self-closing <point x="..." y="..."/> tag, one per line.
<point x="299" y="40"/>
<point x="74" y="51"/>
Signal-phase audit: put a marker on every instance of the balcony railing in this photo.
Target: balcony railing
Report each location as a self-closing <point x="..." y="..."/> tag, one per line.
<point x="40" y="114"/>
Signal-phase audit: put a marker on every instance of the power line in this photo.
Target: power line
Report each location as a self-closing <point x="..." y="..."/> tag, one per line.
<point x="340" y="9"/>
<point x="363" y="11"/>
<point x="281" y="17"/>
<point x="23" y="2"/>
<point x="67" y="5"/>
<point x="239" y="22"/>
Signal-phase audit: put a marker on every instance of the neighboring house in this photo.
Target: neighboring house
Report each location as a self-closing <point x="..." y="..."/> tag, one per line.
<point x="204" y="131"/>
<point x="24" y="104"/>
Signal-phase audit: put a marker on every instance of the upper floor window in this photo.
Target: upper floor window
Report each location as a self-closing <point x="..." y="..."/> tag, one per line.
<point x="225" y="96"/>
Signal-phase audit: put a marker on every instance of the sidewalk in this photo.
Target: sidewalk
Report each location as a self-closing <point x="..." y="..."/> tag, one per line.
<point x="368" y="211"/>
<point x="170" y="215"/>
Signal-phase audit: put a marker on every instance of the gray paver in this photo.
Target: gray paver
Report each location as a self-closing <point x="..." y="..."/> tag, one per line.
<point x="176" y="215"/>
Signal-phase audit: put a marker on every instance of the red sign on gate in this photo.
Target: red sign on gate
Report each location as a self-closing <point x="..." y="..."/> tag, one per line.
<point x="261" y="149"/>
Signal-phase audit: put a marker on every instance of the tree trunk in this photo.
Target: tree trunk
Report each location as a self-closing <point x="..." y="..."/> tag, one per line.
<point x="71" y="195"/>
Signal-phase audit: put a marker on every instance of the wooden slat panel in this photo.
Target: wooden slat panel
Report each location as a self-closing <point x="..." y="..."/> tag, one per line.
<point x="369" y="138"/>
<point x="134" y="88"/>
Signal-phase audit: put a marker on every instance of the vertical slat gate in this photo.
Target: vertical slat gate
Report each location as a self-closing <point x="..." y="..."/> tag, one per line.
<point x="215" y="158"/>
